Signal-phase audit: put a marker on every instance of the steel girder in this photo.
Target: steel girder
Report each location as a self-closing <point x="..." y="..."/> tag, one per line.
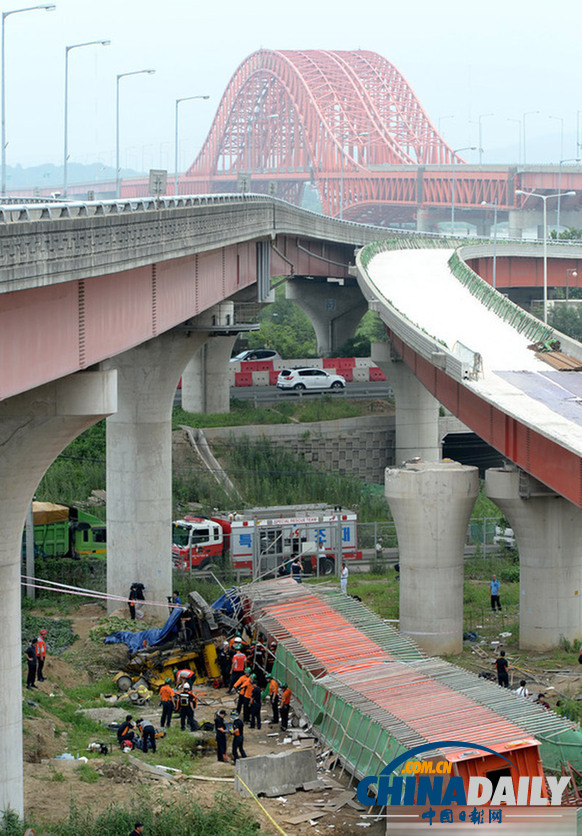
<point x="324" y="116"/>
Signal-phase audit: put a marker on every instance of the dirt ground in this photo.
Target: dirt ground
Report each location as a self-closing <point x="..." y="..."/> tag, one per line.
<point x="51" y="784"/>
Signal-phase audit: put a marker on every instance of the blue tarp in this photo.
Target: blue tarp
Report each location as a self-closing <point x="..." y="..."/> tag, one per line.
<point x="147" y="638"/>
<point x="228" y="603"/>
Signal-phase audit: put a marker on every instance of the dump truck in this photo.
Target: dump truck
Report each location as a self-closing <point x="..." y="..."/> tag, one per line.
<point x="66" y="531"/>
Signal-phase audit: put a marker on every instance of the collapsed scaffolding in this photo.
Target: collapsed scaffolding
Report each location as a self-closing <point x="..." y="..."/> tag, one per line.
<point x="370" y="694"/>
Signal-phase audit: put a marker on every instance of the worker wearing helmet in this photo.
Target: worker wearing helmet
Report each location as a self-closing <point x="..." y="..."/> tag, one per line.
<point x="273" y="693"/>
<point x="237" y="666"/>
<point x="167" y="695"/>
<point x="255" y="710"/>
<point x="40" y="654"/>
<point x="185" y="703"/>
<point x="244" y="686"/>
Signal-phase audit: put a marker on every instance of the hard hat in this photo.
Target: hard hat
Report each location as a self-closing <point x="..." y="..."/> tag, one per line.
<point x="253" y="677"/>
<point x="43" y="632"/>
<point x="247" y="670"/>
<point x="168" y="681"/>
<point x="186" y="686"/>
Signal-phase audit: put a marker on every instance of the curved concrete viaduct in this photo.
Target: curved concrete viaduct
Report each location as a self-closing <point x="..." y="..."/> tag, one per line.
<point x="457" y="342"/>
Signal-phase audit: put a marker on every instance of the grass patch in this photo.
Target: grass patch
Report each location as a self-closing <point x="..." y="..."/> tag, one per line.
<point x="178" y="816"/>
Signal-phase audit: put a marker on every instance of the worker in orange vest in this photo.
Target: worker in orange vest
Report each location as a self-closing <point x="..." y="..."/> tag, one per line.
<point x="40" y="654"/>
<point x="285" y="705"/>
<point x="167" y="695"/>
<point x="244" y="685"/>
<point x="237" y="667"/>
<point x="273" y="693"/>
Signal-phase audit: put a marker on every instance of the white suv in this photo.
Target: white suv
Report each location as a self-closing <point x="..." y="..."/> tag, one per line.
<point x="309" y="379"/>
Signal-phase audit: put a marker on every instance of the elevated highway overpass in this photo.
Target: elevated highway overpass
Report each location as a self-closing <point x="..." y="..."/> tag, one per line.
<point x="104" y="306"/>
<point x="457" y="342"/>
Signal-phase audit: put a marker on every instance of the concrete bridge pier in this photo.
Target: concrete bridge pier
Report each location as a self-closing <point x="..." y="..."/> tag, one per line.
<point x="417" y="411"/>
<point x="206" y="378"/>
<point x="431" y="504"/>
<point x="139" y="465"/>
<point x="548" y="529"/>
<point x="34" y="428"/>
<point x="334" y="307"/>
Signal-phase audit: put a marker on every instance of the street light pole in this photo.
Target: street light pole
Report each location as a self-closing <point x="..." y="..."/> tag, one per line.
<point x="117" y="169"/>
<point x="494" y="207"/>
<point x="455" y="152"/>
<point x="545" y="198"/>
<point x="483" y="115"/>
<point x="570" y="271"/>
<point x="47" y="8"/>
<point x="185" y="99"/>
<point x="66" y="140"/>
<point x="527" y="113"/>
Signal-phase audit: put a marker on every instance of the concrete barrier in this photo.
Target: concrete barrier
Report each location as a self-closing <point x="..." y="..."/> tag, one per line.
<point x="273" y="775"/>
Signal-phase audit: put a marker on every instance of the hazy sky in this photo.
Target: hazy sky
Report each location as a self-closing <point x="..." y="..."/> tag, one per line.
<point x="461" y="58"/>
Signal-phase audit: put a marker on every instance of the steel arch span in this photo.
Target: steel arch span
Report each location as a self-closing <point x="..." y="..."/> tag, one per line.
<point x="331" y="118"/>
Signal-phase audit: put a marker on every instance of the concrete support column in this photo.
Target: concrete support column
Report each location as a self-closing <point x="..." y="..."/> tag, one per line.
<point x="417" y="411"/>
<point x="425" y="220"/>
<point x="548" y="530"/>
<point x="139" y="465"/>
<point x="334" y="309"/>
<point x="431" y="504"/>
<point x="206" y="378"/>
<point x="34" y="428"/>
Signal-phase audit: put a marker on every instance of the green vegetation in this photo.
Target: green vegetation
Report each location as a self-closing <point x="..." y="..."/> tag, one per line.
<point x="59" y="636"/>
<point x="284" y="327"/>
<point x="567" y="319"/>
<point x="79" y="470"/>
<point x="178" y="816"/>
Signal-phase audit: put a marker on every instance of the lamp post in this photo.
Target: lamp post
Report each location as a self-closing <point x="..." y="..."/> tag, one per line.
<point x="519" y="138"/>
<point x="66" y="140"/>
<point x="117" y="170"/>
<point x="342" y="140"/>
<point x="527" y="113"/>
<point x="494" y="207"/>
<point x="571" y="160"/>
<point x="544" y="198"/>
<point x="185" y="99"/>
<point x="47" y="8"/>
<point x="456" y="151"/>
<point x="483" y="115"/>
<point x="570" y="271"/>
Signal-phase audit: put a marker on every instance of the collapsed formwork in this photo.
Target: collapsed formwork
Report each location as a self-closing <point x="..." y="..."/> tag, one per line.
<point x="371" y="694"/>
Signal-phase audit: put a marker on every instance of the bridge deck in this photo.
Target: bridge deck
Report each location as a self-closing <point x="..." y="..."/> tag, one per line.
<point x="421" y="286"/>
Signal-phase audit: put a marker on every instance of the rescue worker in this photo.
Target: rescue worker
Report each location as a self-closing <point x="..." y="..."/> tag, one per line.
<point x="167" y="695"/>
<point x="185" y="675"/>
<point x="137" y="829"/>
<point x="244" y="686"/>
<point x="237" y="666"/>
<point x="273" y="693"/>
<point x="40" y="654"/>
<point x="125" y="731"/>
<point x="285" y="705"/>
<point x="255" y="709"/>
<point x="144" y="693"/>
<point x="31" y="660"/>
<point x="224" y="660"/>
<point x="148" y="735"/>
<point x="220" y="729"/>
<point x="238" y="732"/>
<point x="186" y="702"/>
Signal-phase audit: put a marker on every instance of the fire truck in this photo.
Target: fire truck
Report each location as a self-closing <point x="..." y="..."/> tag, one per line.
<point x="266" y="540"/>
